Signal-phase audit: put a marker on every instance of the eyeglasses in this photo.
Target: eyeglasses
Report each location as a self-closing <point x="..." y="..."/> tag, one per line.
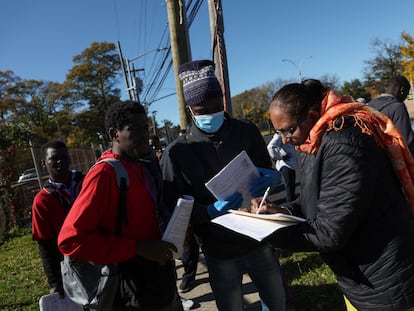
<point x="287" y="133"/>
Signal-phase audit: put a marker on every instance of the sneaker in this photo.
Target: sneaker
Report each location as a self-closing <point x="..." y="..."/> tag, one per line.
<point x="187" y="303"/>
<point x="185" y="286"/>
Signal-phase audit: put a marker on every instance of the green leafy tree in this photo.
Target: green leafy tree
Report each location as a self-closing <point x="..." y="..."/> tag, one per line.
<point x="13" y="137"/>
<point x="407" y="53"/>
<point x="93" y="79"/>
<point x="89" y="129"/>
<point x="251" y="105"/>
<point x="91" y="85"/>
<point x="356" y="89"/>
<point x="8" y="95"/>
<point x="37" y="107"/>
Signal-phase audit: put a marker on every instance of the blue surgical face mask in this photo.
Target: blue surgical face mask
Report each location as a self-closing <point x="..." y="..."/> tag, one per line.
<point x="209" y="123"/>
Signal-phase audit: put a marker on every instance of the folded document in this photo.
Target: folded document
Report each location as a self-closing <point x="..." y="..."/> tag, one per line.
<point x="178" y="224"/>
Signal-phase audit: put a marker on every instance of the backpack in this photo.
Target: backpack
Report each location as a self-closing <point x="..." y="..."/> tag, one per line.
<point x="90" y="284"/>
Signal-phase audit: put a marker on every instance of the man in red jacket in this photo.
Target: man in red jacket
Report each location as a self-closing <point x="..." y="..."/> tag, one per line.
<point x="88" y="232"/>
<point x="50" y="207"/>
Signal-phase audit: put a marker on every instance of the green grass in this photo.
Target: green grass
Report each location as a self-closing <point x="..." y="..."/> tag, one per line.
<point x="312" y="283"/>
<point x="22" y="281"/>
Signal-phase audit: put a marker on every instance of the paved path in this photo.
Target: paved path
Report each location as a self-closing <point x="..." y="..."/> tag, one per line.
<point x="201" y="293"/>
<point x="203" y="297"/>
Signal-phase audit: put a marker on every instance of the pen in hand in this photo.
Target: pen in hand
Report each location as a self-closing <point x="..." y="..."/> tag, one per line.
<point x="263" y="200"/>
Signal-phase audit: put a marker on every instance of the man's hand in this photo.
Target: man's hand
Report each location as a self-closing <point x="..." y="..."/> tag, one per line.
<point x="158" y="250"/>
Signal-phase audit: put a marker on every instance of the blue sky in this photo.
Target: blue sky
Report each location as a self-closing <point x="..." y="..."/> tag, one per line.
<point x="39" y="38"/>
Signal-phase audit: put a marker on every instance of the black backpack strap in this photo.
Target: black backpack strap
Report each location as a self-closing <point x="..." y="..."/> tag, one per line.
<point x="122" y="215"/>
<point x="51" y="188"/>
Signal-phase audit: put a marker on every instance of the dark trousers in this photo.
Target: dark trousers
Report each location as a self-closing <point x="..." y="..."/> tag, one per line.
<point x="189" y="259"/>
<point x="289" y="179"/>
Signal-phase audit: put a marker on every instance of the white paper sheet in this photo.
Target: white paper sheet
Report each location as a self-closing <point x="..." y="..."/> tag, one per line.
<point x="255" y="228"/>
<point x="54" y="302"/>
<point x="234" y="177"/>
<point x="178" y="224"/>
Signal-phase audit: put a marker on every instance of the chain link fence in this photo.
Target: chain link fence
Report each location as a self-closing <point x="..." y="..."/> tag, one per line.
<point x="19" y="213"/>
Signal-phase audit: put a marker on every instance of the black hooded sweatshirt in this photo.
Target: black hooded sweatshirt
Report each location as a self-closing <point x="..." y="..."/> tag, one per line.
<point x="397" y="112"/>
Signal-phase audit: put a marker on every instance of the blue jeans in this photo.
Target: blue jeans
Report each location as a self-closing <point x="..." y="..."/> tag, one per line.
<point x="190" y="259"/>
<point x="261" y="265"/>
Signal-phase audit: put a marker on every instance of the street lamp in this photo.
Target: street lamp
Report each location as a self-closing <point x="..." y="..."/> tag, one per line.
<point x="299" y="68"/>
<point x="129" y="74"/>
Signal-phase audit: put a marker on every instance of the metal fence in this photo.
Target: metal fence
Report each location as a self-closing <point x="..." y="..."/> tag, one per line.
<point x="24" y="192"/>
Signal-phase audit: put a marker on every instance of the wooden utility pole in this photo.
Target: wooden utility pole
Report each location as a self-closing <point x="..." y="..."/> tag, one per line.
<point x="219" y="50"/>
<point x="180" y="48"/>
<point x="124" y="74"/>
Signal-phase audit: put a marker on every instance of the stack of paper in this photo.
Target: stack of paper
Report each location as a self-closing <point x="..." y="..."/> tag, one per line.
<point x="256" y="226"/>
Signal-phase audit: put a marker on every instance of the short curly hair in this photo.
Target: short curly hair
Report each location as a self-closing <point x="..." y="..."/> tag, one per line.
<point x="118" y="114"/>
<point x="55" y="144"/>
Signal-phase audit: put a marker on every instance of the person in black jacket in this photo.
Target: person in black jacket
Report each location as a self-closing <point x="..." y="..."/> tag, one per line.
<point x="357" y="214"/>
<point x="391" y="103"/>
<point x="211" y="142"/>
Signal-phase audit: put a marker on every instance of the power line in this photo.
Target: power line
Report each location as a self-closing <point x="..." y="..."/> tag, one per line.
<point x="155" y="75"/>
<point x="159" y="75"/>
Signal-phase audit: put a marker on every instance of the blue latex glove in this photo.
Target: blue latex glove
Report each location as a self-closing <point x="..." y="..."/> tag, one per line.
<point x="220" y="207"/>
<point x="268" y="178"/>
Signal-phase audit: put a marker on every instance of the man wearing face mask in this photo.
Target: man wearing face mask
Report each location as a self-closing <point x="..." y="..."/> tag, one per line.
<point x="212" y="140"/>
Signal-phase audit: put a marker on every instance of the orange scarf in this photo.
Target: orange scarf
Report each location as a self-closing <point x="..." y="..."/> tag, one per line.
<point x="371" y="122"/>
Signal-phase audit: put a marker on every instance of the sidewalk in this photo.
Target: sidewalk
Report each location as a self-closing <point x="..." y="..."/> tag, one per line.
<point x="201" y="292"/>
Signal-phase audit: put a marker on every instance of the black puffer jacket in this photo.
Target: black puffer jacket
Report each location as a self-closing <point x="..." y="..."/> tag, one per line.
<point x="398" y="113"/>
<point x="192" y="159"/>
<point x="358" y="220"/>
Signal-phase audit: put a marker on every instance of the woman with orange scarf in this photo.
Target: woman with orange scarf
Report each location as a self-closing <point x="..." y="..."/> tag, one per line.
<point x="356" y="194"/>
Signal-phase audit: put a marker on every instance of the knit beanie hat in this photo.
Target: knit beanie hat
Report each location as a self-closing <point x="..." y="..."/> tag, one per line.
<point x="199" y="82"/>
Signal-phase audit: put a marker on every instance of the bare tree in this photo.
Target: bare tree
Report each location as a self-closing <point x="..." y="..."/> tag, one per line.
<point x="332" y="81"/>
<point x="385" y="64"/>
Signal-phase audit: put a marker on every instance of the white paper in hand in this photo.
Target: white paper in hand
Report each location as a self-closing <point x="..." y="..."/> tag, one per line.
<point x="234" y="177"/>
<point x="178" y="224"/>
